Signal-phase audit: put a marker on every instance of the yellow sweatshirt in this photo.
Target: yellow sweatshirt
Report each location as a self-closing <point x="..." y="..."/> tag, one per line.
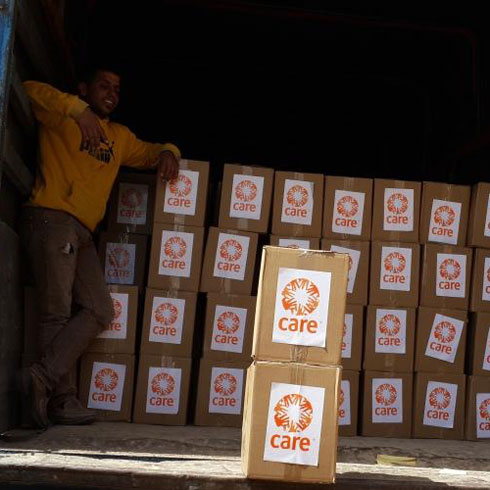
<point x="76" y="181"/>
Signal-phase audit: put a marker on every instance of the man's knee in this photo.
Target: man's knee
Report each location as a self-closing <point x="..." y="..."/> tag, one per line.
<point x="104" y="311"/>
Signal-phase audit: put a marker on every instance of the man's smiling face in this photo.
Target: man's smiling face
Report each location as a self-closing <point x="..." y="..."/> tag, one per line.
<point x="102" y="92"/>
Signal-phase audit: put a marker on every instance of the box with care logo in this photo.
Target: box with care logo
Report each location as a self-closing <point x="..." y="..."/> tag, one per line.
<point x="220" y="393"/>
<point x="168" y="323"/>
<point x="347" y="208"/>
<point x="300" y="306"/>
<point x="359" y="258"/>
<point x="176" y="257"/>
<point x="390" y="339"/>
<point x="246" y="196"/>
<point x="291" y="421"/>
<point x="229" y="327"/>
<point x="444" y="214"/>
<point x="477" y="409"/>
<point x="479" y="345"/>
<point x="480" y="281"/>
<point x="297" y="207"/>
<point x="349" y="403"/>
<point x="229" y="262"/>
<point x="295" y="242"/>
<point x="479" y="224"/>
<point x="395" y="269"/>
<point x="162" y="390"/>
<point x="183" y="201"/>
<point x="446" y="277"/>
<point x="396" y="211"/>
<point x="352" y="337"/>
<point x="439" y="406"/>
<point x="387" y="404"/>
<point x="106" y="385"/>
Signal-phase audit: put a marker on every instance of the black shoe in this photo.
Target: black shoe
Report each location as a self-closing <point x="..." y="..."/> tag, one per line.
<point x="36" y="393"/>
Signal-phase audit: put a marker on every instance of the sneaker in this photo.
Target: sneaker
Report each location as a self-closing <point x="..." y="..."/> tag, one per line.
<point x="69" y="411"/>
<point x="36" y="394"/>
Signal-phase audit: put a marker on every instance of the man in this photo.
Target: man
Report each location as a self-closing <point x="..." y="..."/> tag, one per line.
<point x="80" y="155"/>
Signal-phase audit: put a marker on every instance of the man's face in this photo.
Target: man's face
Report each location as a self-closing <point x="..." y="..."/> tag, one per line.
<point x="102" y="93"/>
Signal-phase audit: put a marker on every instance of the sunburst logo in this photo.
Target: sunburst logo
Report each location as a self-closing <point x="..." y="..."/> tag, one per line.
<point x="440" y="398"/>
<point x="341" y="397"/>
<point x="395" y="263"/>
<point x="488" y="275"/>
<point x="117" y="308"/>
<point x="297" y="196"/>
<point x="175" y="247"/>
<point x="390" y="325"/>
<point x="119" y="258"/>
<point x="132" y="198"/>
<point x="106" y="379"/>
<point x="445" y="332"/>
<point x="225" y="384"/>
<point x="386" y="394"/>
<point x="231" y="250"/>
<point x="166" y="314"/>
<point x="301" y="297"/>
<point x="246" y="191"/>
<point x="181" y="186"/>
<point x="397" y="204"/>
<point x="450" y="269"/>
<point x="485" y="409"/>
<point x="293" y="412"/>
<point x="163" y="384"/>
<point x="444" y="216"/>
<point x="228" y="322"/>
<point x="347" y="206"/>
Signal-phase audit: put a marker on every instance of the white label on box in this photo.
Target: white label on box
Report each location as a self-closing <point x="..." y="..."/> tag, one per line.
<point x="176" y="253"/>
<point x="181" y="193"/>
<point x="106" y="386"/>
<point x="118" y="328"/>
<point x="246" y="197"/>
<point x="163" y="393"/>
<point x="348" y="212"/>
<point x="396" y="269"/>
<point x="294" y="243"/>
<point x="132" y="204"/>
<point x="225" y="394"/>
<point x="294" y="424"/>
<point x="301" y="308"/>
<point x="486" y="231"/>
<point x="354" y="257"/>
<point x="347" y="336"/>
<point x="451" y="275"/>
<point x="120" y="259"/>
<point x="398" y="209"/>
<point x="167" y="320"/>
<point x="440" y="404"/>
<point x="297" y="202"/>
<point x="486" y="359"/>
<point x="444" y="338"/>
<point x="231" y="256"/>
<point x="344" y="403"/>
<point x="486" y="280"/>
<point x="483" y="415"/>
<point x="391" y="331"/>
<point x="444" y="222"/>
<point x="387" y="401"/>
<point x="229" y="329"/>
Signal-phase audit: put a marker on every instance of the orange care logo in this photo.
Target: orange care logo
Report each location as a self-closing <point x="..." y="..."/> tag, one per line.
<point x="444" y="338"/>
<point x="181" y="193"/>
<point x="230" y="250"/>
<point x="444" y="216"/>
<point x="297" y="202"/>
<point x="445" y="332"/>
<point x="293" y="413"/>
<point x="439" y="398"/>
<point x="226" y="391"/>
<point x="444" y="222"/>
<point x="347" y="206"/>
<point x="486" y="280"/>
<point x="440" y="404"/>
<point x="163" y="384"/>
<point x="387" y="403"/>
<point x="106" y="379"/>
<point x="167" y="320"/>
<point x="397" y="204"/>
<point x="390" y="325"/>
<point x="225" y="384"/>
<point x="228" y="322"/>
<point x="341" y="397"/>
<point x="395" y="271"/>
<point x="118" y="308"/>
<point x="395" y="263"/>
<point x="451" y="275"/>
<point x="117" y="329"/>
<point x="390" y="334"/>
<point x="398" y="209"/>
<point x="344" y="417"/>
<point x="166" y="314"/>
<point x="176" y="253"/>
<point x="301" y="297"/>
<point x="484" y="409"/>
<point x="106" y="387"/>
<point x="119" y="258"/>
<point x="132" y="198"/>
<point x="297" y="196"/>
<point x="348" y="211"/>
<point x="450" y="269"/>
<point x="483" y="415"/>
<point x="181" y="186"/>
<point x="175" y="248"/>
<point x="246" y="191"/>
<point x="228" y="329"/>
<point x="163" y="391"/>
<point x="231" y="256"/>
<point x="386" y="394"/>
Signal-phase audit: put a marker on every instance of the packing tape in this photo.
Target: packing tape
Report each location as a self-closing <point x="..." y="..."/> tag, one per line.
<point x="246" y="170"/>
<point x="179" y="219"/>
<point x="130" y="228"/>
<point x="227" y="285"/>
<point x="184" y="164"/>
<point x="174" y="282"/>
<point x="299" y="176"/>
<point x="242" y="223"/>
<point x="167" y="362"/>
<point x="124" y="237"/>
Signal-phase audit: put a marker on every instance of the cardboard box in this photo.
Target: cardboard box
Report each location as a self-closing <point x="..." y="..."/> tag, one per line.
<point x="387" y="404"/>
<point x="120" y="336"/>
<point x="306" y="243"/>
<point x="229" y="327"/>
<point x="359" y="258"/>
<point x="479" y="223"/>
<point x="168" y="323"/>
<point x="395" y="269"/>
<point x="439" y="406"/>
<point x="348" y="403"/>
<point x="123" y="258"/>
<point x="347" y="209"/>
<point x="396" y="211"/>
<point x="106" y="385"/>
<point x="297" y="207"/>
<point x="390" y="339"/>
<point x="444" y="215"/>
<point x="246" y="196"/>
<point x="229" y="262"/>
<point x="479" y="345"/>
<point x="446" y="276"/>
<point x="32" y="347"/>
<point x="298" y="290"/>
<point x="220" y="393"/>
<point x="278" y="446"/>
<point x="162" y="390"/>
<point x="478" y="409"/>
<point x="131" y="203"/>
<point x="480" y="281"/>
<point x="176" y="257"/>
<point x="183" y="201"/>
<point x="353" y="334"/>
<point x="441" y="340"/>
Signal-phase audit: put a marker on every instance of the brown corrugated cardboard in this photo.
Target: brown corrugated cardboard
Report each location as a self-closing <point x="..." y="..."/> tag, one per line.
<point x="444" y="213"/>
<point x="162" y="390"/>
<point x="478" y="409"/>
<point x="439" y="406"/>
<point x="183" y="201"/>
<point x="446" y="275"/>
<point x="395" y="269"/>
<point x="31" y="322"/>
<point x="297" y="207"/>
<point x="441" y="340"/>
<point x="306" y="243"/>
<point x="479" y="223"/>
<point x="229" y="327"/>
<point x="347" y="210"/>
<point x="349" y="403"/>
<point x="168" y="323"/>
<point x="359" y="259"/>
<point x="352" y="338"/>
<point x="298" y="290"/>
<point x="479" y="345"/>
<point x="390" y="339"/>
<point x="246" y="196"/>
<point x="387" y="404"/>
<point x="176" y="257"/>
<point x="229" y="262"/>
<point x="220" y="393"/>
<point x="396" y="211"/>
<point x="106" y="385"/>
<point x="276" y="446"/>
<point x="480" y="281"/>
<point x="120" y="336"/>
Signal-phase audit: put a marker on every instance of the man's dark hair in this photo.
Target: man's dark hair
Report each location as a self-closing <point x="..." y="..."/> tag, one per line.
<point x="88" y="72"/>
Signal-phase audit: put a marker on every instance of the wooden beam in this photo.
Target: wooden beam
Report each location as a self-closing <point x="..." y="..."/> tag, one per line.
<point x="15" y="169"/>
<point x="21" y="106"/>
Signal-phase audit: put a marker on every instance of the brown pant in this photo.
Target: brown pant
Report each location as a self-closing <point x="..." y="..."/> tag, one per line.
<point x="74" y="301"/>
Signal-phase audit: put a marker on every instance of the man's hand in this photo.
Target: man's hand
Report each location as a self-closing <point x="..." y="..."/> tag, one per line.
<point x="168" y="166"/>
<point x="92" y="132"/>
